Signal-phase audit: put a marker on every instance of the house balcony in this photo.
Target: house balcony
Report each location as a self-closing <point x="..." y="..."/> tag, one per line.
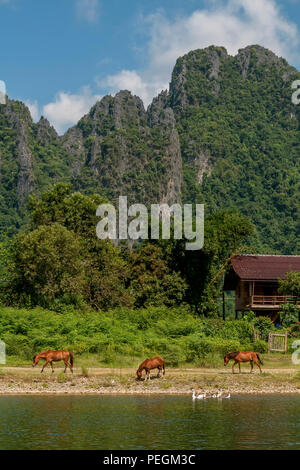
<point x="271" y="302"/>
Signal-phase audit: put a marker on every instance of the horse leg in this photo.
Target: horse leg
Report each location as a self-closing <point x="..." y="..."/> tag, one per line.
<point x="69" y="363"/>
<point x="66" y="365"/>
<point x="45" y="365"/>
<point x="235" y="362"/>
<point x="51" y="363"/>
<point x="256" y="362"/>
<point x="239" y="367"/>
<point x="251" y="365"/>
<point x="159" y="369"/>
<point x="148" y="374"/>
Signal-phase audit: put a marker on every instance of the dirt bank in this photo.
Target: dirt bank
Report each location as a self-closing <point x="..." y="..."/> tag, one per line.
<point x="26" y="381"/>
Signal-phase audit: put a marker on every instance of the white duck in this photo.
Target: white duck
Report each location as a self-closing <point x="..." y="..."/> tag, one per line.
<point x="200" y="396"/>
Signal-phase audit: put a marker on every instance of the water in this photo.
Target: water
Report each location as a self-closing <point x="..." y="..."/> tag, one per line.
<point x="149" y="422"/>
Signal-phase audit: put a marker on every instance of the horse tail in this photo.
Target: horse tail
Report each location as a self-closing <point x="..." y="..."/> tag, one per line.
<point x="259" y="359"/>
<point x="71" y="359"/>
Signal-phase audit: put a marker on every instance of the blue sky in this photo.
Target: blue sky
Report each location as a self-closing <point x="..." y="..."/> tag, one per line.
<point x="60" y="56"/>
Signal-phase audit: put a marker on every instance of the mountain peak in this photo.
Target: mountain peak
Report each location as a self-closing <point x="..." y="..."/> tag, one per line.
<point x="262" y="54"/>
<point x="45" y="132"/>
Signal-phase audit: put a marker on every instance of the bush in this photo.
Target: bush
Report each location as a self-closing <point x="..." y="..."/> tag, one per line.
<point x="175" y="334"/>
<point x="294" y="331"/>
<point x="210" y="360"/>
<point x="289" y="315"/>
<point x="260" y="346"/>
<point x="199" y="348"/>
<point x="174" y="356"/>
<point x="264" y="325"/>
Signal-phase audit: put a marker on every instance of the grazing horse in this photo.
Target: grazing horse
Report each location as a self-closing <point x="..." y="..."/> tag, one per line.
<point x="149" y="364"/>
<point x="54" y="356"/>
<point x="240" y="356"/>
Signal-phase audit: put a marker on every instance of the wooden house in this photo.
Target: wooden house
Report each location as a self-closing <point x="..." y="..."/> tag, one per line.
<point x="254" y="278"/>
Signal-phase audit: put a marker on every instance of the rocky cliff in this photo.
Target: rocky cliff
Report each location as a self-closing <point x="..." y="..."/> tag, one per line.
<point x="121" y="149"/>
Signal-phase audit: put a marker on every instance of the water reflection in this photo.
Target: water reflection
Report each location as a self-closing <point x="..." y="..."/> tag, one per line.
<point x="153" y="422"/>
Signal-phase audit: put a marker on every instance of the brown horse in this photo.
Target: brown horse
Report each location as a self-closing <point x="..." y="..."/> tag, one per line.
<point x="54" y="356"/>
<point x="149" y="364"/>
<point x="240" y="356"/>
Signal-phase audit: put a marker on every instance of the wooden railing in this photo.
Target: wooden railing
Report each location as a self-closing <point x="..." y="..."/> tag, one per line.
<point x="269" y="300"/>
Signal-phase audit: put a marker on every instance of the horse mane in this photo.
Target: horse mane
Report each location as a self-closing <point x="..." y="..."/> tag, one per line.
<point x="232" y="355"/>
<point x="141" y="367"/>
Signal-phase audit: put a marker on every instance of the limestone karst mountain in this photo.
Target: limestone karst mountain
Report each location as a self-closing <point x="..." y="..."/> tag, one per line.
<point x="226" y="134"/>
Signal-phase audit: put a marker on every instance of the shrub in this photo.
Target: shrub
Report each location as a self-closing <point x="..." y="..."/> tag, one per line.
<point x="249" y="317"/>
<point x="210" y="360"/>
<point x="109" y="355"/>
<point x="294" y="331"/>
<point x="61" y="378"/>
<point x="199" y="348"/>
<point x="196" y="348"/>
<point x="264" y="325"/>
<point x="174" y="356"/>
<point x="260" y="346"/>
<point x="175" y="334"/>
<point x="289" y="315"/>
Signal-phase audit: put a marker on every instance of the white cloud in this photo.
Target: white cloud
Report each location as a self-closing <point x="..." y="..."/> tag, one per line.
<point x="231" y="23"/>
<point x="88" y="10"/>
<point x="68" y="108"/>
<point x="33" y="108"/>
<point x="131" y="80"/>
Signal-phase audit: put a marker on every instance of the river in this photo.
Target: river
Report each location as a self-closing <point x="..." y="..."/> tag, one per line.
<point x="149" y="422"/>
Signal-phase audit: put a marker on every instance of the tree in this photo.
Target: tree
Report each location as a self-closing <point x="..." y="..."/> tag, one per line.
<point x="225" y="233"/>
<point x="153" y="282"/>
<point x="290" y="285"/>
<point x="48" y="264"/>
<point x="73" y="210"/>
<point x="44" y="270"/>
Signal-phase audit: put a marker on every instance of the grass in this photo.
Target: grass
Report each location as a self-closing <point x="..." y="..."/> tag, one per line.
<point x="84" y="371"/>
<point x="87" y="362"/>
<point x="62" y="378"/>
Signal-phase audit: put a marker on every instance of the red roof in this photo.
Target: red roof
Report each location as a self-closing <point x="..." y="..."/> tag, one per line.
<point x="269" y="267"/>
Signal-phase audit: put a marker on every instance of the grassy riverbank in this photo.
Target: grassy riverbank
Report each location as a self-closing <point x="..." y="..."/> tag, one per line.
<point x="109" y="346"/>
<point x="279" y="375"/>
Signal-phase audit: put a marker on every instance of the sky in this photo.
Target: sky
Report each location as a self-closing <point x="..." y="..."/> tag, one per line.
<point x="61" y="56"/>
